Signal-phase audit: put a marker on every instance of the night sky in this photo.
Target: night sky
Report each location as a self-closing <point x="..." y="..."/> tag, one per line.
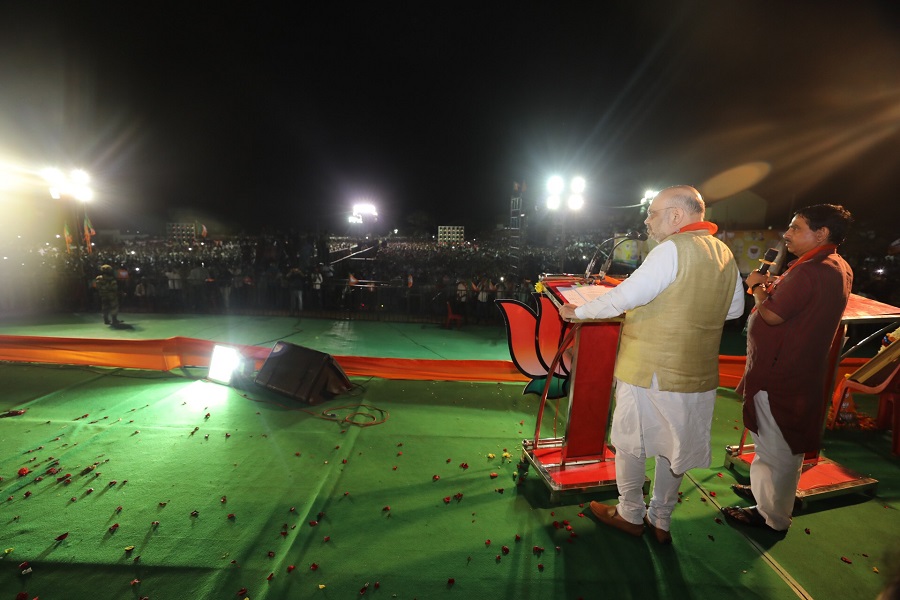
<point x="241" y="115"/>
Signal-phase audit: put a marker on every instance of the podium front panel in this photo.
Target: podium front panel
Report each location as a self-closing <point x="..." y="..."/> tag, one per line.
<point x="590" y="389"/>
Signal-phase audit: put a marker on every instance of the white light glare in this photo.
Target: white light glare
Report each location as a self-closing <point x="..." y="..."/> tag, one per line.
<point x="555" y="185"/>
<point x="76" y="185"/>
<point x="365" y="209"/>
<point x="53" y="176"/>
<point x="648" y="196"/>
<point x="224" y="362"/>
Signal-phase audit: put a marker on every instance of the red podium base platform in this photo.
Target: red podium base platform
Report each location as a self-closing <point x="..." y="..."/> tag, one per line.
<point x="820" y="479"/>
<point x="580" y="461"/>
<point x="587" y="474"/>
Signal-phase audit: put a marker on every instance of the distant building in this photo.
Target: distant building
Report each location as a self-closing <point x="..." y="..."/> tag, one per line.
<point x="117" y="236"/>
<point x="451" y="234"/>
<point x="181" y="233"/>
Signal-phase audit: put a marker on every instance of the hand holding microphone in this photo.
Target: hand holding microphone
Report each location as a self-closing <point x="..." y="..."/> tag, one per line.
<point x="759" y="277"/>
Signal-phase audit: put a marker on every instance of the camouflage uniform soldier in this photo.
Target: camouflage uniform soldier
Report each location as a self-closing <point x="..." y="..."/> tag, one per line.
<point x="108" y="289"/>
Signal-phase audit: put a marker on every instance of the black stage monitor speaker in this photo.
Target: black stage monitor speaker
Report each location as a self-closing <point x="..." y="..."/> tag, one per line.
<point x="302" y="373"/>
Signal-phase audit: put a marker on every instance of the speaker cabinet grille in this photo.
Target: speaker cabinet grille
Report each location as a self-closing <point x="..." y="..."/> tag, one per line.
<point x="302" y="373"/>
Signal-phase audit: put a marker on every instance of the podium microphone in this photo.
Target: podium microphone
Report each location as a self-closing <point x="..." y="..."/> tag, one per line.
<point x="631" y="235"/>
<point x="767" y="261"/>
<point x="593" y="261"/>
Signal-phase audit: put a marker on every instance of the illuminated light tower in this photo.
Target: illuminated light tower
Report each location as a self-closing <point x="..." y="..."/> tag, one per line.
<point x="556" y="186"/>
<point x="363" y="213"/>
<point x="365" y="209"/>
<point x="74" y="186"/>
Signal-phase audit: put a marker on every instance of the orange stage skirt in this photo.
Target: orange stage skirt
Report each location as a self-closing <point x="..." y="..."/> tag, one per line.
<point x="176" y="352"/>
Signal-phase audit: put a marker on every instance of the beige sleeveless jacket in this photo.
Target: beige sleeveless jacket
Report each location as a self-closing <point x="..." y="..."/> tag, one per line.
<point x="677" y="334"/>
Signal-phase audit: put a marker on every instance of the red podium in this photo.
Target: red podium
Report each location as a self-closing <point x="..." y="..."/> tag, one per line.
<point x="579" y="461"/>
<point x="822" y="477"/>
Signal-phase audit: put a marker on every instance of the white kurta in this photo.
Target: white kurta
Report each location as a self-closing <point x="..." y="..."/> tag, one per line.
<point x="649" y="422"/>
<point x="675" y="425"/>
<point x="655" y="274"/>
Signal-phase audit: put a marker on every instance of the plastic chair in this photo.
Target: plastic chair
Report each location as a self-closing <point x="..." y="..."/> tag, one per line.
<point x="452" y="317"/>
<point x="879" y="376"/>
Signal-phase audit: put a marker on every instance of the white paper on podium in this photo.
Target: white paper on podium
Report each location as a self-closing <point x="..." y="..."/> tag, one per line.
<point x="582" y="294"/>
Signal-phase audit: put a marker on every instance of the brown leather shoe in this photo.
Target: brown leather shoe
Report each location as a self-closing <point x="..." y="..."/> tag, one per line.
<point x="608" y="515"/>
<point x="662" y="536"/>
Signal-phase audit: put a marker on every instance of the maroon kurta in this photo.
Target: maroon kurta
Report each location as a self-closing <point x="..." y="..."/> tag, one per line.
<point x="789" y="361"/>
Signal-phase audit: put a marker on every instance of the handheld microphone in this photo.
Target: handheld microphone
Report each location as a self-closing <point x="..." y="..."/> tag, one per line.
<point x="767" y="261"/>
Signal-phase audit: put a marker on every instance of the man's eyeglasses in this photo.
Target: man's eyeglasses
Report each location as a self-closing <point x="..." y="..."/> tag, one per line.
<point x="650" y="213"/>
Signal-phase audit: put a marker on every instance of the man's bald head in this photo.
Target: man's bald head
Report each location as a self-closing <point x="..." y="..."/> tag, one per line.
<point x="672" y="209"/>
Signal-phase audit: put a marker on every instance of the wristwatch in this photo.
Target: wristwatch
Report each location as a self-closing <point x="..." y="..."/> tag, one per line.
<point x="754" y="286"/>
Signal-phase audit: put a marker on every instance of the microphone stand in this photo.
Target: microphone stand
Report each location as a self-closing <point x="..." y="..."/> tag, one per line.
<point x="630" y="236"/>
<point x="593" y="261"/>
<point x="608" y="263"/>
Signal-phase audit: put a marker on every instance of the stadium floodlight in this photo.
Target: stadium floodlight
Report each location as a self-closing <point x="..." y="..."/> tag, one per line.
<point x="578" y="184"/>
<point x="575" y="202"/>
<point x="648" y="196"/>
<point x="575" y="199"/>
<point x="365" y="208"/>
<point x="555" y="185"/>
<point x="74" y="186"/>
<point x="80" y="177"/>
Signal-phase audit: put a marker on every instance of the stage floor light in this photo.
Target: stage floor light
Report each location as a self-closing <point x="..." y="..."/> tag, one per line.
<point x="223" y="364"/>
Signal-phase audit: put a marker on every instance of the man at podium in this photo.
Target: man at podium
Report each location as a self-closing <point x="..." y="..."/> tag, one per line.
<point x="667" y="368"/>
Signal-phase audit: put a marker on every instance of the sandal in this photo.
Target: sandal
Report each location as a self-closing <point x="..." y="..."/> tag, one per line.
<point x="745" y="516"/>
<point x="744" y="491"/>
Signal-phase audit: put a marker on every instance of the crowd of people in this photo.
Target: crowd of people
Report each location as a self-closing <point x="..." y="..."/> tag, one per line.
<point x="289" y="273"/>
<point x="282" y="273"/>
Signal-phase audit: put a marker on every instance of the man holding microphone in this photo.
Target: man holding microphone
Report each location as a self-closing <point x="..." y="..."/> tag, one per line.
<point x="789" y="334"/>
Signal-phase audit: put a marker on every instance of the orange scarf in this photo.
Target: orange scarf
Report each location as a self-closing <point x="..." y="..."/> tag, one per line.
<point x="712" y="228"/>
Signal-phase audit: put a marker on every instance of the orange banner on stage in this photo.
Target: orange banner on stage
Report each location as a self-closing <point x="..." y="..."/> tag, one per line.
<point x="176" y="352"/>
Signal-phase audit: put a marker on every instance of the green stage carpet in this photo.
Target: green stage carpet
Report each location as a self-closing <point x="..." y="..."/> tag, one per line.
<point x="182" y="488"/>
